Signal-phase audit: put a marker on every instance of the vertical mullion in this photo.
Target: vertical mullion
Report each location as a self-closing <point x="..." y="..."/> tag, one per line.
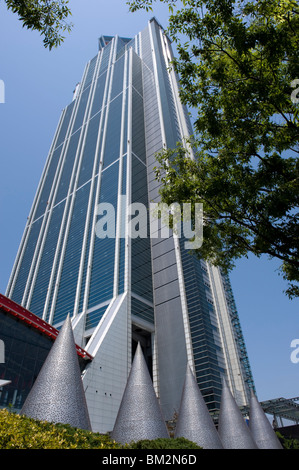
<point x="164" y="144"/>
<point x="71" y="196"/>
<point x="127" y="280"/>
<point x="87" y="220"/>
<point x="60" y="237"/>
<point x="101" y="144"/>
<point x="120" y="177"/>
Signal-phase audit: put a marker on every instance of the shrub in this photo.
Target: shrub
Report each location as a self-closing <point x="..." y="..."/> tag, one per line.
<point x="21" y="432"/>
<point x="288" y="443"/>
<point x="164" y="443"/>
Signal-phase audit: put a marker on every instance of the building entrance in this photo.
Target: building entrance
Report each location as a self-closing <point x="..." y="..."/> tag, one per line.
<point x="144" y="337"/>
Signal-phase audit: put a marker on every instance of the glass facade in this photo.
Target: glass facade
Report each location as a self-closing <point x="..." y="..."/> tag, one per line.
<point x="26" y="350"/>
<point x="25" y="353"/>
<point x="101" y="161"/>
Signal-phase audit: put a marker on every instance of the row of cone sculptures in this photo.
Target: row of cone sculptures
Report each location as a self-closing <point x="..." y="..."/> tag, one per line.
<point x="58" y="396"/>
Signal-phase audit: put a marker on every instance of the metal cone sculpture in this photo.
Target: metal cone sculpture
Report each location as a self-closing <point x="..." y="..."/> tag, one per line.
<point x="260" y="427"/>
<point x="57" y="394"/>
<point x="233" y="431"/>
<point x="194" y="420"/>
<point x="139" y="416"/>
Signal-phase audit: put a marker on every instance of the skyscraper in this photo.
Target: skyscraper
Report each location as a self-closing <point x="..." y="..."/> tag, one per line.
<point x="78" y="257"/>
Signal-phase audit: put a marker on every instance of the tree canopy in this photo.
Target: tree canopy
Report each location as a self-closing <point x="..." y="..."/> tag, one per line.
<point x="46" y="16"/>
<point x="238" y="67"/>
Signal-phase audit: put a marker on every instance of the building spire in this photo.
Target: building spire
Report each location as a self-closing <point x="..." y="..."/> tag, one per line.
<point x="194" y="420"/>
<point x="233" y="430"/>
<point x="57" y="394"/>
<point x="260" y="426"/>
<point x="139" y="416"/>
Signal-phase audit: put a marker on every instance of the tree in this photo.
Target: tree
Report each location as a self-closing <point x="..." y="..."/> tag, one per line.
<point x="238" y="68"/>
<point x="46" y="16"/>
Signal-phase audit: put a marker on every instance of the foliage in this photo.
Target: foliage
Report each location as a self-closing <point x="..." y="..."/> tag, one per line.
<point x="21" y="432"/>
<point x="164" y="443"/>
<point x="238" y="68"/>
<point x="288" y="443"/>
<point x="46" y="16"/>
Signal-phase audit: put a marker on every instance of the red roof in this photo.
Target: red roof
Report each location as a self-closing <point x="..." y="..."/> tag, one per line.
<point x="36" y="322"/>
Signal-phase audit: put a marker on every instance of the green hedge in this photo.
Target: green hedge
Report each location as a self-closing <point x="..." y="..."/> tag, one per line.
<point x="162" y="443"/>
<point x="288" y="443"/>
<point x="20" y="432"/>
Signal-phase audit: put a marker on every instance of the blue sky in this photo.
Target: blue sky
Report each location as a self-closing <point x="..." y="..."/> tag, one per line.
<point x="38" y="85"/>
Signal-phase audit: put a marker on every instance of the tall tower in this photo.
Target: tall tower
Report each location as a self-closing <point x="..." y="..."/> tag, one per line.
<point x="78" y="257"/>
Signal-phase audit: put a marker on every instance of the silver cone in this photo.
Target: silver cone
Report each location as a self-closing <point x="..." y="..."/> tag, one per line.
<point x="57" y="394"/>
<point x="139" y="416"/>
<point x="260" y="427"/>
<point x="194" y="420"/>
<point x="233" y="431"/>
